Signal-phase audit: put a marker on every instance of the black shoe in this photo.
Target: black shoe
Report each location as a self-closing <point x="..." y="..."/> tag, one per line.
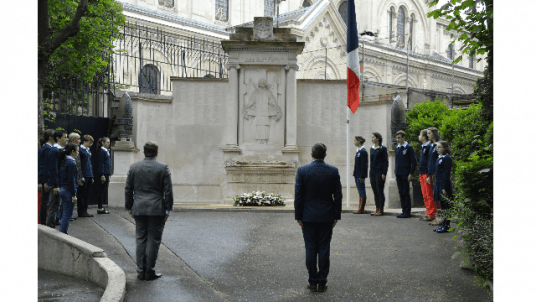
<point x="104" y="211"/>
<point x="321" y="288"/>
<point x="141" y="277"/>
<point x="404" y="215"/>
<point x="85" y="215"/>
<point x="153" y="276"/>
<point x="311" y="288"/>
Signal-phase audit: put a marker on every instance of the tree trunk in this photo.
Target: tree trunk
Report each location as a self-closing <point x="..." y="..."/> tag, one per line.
<point x="40" y="117"/>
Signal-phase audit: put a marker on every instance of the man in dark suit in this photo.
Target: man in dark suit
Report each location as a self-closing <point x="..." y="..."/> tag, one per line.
<point x="318" y="205"/>
<point x="149" y="200"/>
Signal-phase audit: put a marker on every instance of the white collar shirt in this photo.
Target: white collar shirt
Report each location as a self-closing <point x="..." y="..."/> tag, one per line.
<point x="58" y="146"/>
<point x="403" y="145"/>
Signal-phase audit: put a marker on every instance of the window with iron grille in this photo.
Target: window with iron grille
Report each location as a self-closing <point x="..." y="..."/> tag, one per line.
<point x="343" y="11"/>
<point x="401" y="26"/>
<point x="222" y="10"/>
<point x="411" y="32"/>
<point x="449" y="52"/>
<point x="471" y="62"/>
<point x="306" y="3"/>
<point x="269" y="9"/>
<point x="391" y="13"/>
<point x="149" y="81"/>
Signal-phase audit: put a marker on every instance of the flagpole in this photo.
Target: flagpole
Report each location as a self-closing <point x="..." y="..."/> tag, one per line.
<point x="348" y="157"/>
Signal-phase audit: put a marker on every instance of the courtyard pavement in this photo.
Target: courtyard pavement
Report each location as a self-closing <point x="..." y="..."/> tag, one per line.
<point x="259" y="255"/>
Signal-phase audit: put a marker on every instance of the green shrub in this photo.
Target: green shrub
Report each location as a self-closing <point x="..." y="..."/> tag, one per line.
<point x="464" y="131"/>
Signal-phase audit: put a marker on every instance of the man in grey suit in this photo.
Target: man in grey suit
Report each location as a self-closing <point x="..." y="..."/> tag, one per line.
<point x="149" y="200"/>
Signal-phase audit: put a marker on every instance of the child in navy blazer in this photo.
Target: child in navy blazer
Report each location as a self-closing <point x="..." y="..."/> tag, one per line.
<point x="360" y="172"/>
<point x="48" y="137"/>
<point x="434" y="137"/>
<point x="52" y="176"/>
<point x="68" y="184"/>
<point x="103" y="171"/>
<point x="405" y="165"/>
<point x="87" y="175"/>
<point x="426" y="188"/>
<point x="443" y="185"/>
<point x="379" y="163"/>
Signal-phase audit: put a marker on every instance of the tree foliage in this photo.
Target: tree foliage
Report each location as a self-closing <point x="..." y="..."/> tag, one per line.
<point x="85" y="54"/>
<point x="472" y="20"/>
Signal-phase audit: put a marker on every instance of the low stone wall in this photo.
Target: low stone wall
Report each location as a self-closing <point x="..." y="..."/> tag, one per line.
<point x="61" y="253"/>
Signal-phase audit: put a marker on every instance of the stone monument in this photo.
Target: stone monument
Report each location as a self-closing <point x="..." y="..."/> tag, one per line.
<point x="261" y="153"/>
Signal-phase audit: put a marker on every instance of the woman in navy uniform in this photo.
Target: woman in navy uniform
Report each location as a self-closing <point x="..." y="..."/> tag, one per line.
<point x="68" y="183"/>
<point x="443" y="184"/>
<point x="360" y="172"/>
<point x="379" y="163"/>
<point x="103" y="171"/>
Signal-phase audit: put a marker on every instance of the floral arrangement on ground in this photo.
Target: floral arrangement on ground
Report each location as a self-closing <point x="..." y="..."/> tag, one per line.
<point x="260" y="199"/>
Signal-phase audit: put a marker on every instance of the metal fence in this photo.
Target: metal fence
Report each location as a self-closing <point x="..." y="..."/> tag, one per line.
<point x="150" y="56"/>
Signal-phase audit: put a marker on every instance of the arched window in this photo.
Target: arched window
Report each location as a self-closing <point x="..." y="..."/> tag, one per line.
<point x="343" y="11"/>
<point x="449" y="52"/>
<point x="149" y="79"/>
<point x="306" y="3"/>
<point x="269" y="9"/>
<point x="222" y="10"/>
<point x="391" y="15"/>
<point x="401" y="26"/>
<point x="471" y="62"/>
<point x="411" y="32"/>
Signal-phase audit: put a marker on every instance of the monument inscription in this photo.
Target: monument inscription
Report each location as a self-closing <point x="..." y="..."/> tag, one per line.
<point x="263" y="58"/>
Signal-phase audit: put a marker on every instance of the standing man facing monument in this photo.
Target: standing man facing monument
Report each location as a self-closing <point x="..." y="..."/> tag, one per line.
<point x="318" y="205"/>
<point x="149" y="200"/>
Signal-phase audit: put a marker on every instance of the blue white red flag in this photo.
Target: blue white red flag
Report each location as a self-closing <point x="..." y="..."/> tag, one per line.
<point x="352" y="59"/>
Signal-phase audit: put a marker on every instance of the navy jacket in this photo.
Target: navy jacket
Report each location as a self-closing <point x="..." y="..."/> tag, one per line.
<point x="318" y="193"/>
<point x="432" y="158"/>
<point x="105" y="163"/>
<point x="361" y="164"/>
<point x="405" y="160"/>
<point x="69" y="175"/>
<point x="85" y="158"/>
<point x="442" y="168"/>
<point x="423" y="160"/>
<point x="379" y="162"/>
<point x="52" y="175"/>
<point x="41" y="159"/>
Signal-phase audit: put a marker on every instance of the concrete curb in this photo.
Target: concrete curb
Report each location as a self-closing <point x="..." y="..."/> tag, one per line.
<point x="61" y="253"/>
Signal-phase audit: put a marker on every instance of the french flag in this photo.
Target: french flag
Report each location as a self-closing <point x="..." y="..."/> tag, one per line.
<point x="352" y="59"/>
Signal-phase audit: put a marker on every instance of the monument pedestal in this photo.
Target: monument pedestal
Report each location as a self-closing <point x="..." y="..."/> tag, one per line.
<point x="124" y="153"/>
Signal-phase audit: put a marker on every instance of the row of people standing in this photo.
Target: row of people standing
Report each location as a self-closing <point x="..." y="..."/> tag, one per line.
<point x="65" y="176"/>
<point x="434" y="160"/>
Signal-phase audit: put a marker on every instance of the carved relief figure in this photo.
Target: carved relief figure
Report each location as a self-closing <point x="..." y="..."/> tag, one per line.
<point x="263" y="29"/>
<point x="262" y="105"/>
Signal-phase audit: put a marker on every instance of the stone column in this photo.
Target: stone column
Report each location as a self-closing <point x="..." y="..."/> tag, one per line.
<point x="232" y="110"/>
<point x="291" y="110"/>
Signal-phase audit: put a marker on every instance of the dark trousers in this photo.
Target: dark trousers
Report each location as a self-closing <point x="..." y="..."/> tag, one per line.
<point x="54" y="203"/>
<point x="403" y="190"/>
<point x="317" y="236"/>
<point x="149" y="231"/>
<point x="44" y="206"/>
<point x="377" y="183"/>
<point x="102" y="189"/>
<point x="83" y="195"/>
<point x="360" y="188"/>
<point x="445" y="206"/>
<point x="67" y="208"/>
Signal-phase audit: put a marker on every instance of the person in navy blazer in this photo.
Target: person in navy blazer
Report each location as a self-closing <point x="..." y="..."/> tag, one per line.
<point x="318" y="205"/>
<point x="434" y="136"/>
<point x="87" y="176"/>
<point x="52" y="176"/>
<point x="360" y="172"/>
<point x="103" y="171"/>
<point x="405" y="165"/>
<point x="68" y="184"/>
<point x="379" y="163"/>
<point x="48" y="137"/>
<point x="443" y="184"/>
